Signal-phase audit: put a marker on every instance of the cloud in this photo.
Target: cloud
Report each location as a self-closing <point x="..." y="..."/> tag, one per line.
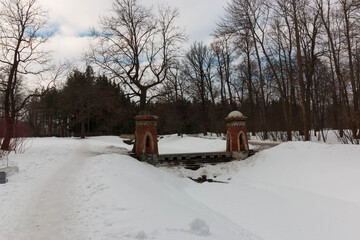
<point x="68" y="47"/>
<point x="199" y="17"/>
<point x="73" y="16"/>
<point x="72" y="20"/>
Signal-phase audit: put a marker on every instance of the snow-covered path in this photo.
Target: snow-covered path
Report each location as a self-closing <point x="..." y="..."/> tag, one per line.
<point x="46" y="212"/>
<point x="90" y="189"/>
<point x="50" y="212"/>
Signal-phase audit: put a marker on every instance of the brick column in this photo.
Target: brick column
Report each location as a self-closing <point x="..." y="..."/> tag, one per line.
<point x="146" y="134"/>
<point x="236" y="136"/>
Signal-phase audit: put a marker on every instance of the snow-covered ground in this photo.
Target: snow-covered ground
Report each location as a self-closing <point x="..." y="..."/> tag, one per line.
<point x="327" y="135"/>
<point x="91" y="189"/>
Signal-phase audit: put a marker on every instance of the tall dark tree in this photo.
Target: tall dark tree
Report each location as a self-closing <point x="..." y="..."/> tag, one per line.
<point x="80" y="97"/>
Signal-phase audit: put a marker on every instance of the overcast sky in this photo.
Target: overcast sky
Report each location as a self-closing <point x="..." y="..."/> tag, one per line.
<point x="72" y="20"/>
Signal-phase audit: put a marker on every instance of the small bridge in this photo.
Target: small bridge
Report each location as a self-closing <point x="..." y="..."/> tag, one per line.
<point x="197" y="160"/>
<point x="194" y="161"/>
<point x="146" y="144"/>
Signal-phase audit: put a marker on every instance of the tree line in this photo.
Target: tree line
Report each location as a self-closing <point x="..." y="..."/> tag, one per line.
<point x="288" y="65"/>
<point x="302" y="54"/>
<point x="86" y="105"/>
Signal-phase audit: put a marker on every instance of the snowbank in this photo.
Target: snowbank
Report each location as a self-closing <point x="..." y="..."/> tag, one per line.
<point x="91" y="189"/>
<point x="294" y="191"/>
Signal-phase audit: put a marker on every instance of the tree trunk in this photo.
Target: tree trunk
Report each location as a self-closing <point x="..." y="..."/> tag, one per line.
<point x="227" y="79"/>
<point x="332" y="50"/>
<point x="356" y="118"/>
<point x="262" y="103"/>
<point x="301" y="74"/>
<point x="252" y="124"/>
<point x="143" y="93"/>
<point x="8" y="134"/>
<point x="82" y="134"/>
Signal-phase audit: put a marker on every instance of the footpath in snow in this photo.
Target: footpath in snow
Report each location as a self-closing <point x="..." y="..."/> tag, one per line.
<point x="91" y="189"/>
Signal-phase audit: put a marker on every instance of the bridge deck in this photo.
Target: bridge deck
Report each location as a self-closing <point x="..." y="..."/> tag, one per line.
<point x="194" y="160"/>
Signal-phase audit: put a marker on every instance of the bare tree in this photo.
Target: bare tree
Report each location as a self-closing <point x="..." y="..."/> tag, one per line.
<point x="175" y="87"/>
<point x="21" y="36"/>
<point x="247" y="20"/>
<point x="350" y="12"/>
<point x="295" y="5"/>
<point x="332" y="22"/>
<point x="199" y="72"/>
<point x="137" y="47"/>
<point x="224" y="51"/>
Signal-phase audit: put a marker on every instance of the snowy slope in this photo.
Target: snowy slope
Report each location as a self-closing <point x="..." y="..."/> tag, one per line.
<point x="294" y="191"/>
<point x="90" y="189"/>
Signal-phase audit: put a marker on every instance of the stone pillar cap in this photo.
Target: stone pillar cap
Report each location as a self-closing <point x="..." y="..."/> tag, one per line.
<point x="146" y="115"/>
<point x="235" y="116"/>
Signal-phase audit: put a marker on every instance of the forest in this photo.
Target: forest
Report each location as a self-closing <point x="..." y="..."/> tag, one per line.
<point x="290" y="66"/>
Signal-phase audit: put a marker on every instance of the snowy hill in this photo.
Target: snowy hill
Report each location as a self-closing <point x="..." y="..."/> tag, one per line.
<point x="91" y="189"/>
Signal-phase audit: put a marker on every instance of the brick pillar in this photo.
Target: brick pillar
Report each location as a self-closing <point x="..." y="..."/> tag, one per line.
<point x="236" y="136"/>
<point x="146" y="134"/>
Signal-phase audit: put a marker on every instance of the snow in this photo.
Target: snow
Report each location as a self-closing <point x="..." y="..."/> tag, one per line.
<point x="190" y="144"/>
<point x="329" y="136"/>
<point x="235" y="114"/>
<point x="92" y="189"/>
<point x="293" y="191"/>
<point x="199" y="227"/>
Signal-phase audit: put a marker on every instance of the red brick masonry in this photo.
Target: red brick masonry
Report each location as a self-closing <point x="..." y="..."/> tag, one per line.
<point x="236" y="139"/>
<point x="146" y="134"/>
